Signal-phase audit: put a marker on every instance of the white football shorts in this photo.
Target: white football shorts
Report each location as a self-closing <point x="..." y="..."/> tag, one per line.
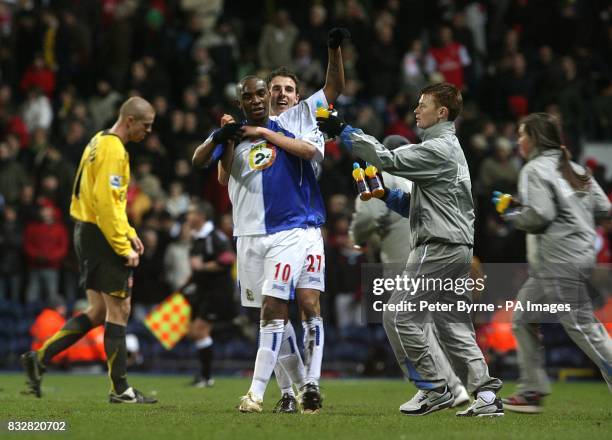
<point x="276" y="264"/>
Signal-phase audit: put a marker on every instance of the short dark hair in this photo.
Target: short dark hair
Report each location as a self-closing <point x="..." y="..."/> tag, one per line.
<point x="242" y="81"/>
<point x="446" y="95"/>
<point x="286" y="72"/>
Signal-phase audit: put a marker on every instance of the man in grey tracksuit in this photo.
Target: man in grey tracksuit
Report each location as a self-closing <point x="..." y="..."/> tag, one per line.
<point x="442" y="231"/>
<point x="560" y="222"/>
<point x="374" y="221"/>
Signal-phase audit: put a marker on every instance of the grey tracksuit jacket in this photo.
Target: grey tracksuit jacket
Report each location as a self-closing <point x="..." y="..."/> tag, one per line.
<point x="559" y="219"/>
<point x="441" y="207"/>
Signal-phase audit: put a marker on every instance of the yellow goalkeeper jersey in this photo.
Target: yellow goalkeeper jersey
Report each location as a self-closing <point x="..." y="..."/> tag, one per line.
<point x="99" y="195"/>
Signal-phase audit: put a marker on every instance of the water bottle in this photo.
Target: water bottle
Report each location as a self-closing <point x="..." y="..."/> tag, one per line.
<point x="362" y="185"/>
<point x="376" y="186"/>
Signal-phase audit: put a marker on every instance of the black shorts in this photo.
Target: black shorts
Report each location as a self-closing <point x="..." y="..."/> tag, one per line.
<point x="101" y="268"/>
<point x="212" y="306"/>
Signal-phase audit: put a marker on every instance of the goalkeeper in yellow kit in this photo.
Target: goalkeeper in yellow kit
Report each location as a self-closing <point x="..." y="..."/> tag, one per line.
<point x="107" y="248"/>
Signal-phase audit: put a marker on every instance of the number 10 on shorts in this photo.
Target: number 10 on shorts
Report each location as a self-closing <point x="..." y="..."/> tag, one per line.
<point x="285" y="274"/>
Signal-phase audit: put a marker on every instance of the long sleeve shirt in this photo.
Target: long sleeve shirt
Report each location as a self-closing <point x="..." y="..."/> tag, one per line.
<point x="560" y="220"/>
<point x="441" y="206"/>
<point x="100" y="190"/>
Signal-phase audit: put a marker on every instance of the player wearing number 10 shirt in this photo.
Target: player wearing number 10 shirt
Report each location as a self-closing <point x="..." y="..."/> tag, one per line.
<point x="277" y="210"/>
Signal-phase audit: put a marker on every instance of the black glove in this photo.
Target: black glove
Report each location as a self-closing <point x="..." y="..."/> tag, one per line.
<point x="335" y="37"/>
<point x="229" y="132"/>
<point x="332" y="125"/>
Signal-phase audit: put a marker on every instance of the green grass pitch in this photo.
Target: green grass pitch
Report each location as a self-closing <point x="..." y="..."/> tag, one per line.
<point x="353" y="409"/>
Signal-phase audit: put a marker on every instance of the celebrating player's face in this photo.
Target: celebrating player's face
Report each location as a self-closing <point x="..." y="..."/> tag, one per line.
<point x="283" y="94"/>
<point x="428" y="112"/>
<point x="255" y="100"/>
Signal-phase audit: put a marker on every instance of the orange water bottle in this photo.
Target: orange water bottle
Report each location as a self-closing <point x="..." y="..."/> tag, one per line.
<point x="362" y="185"/>
<point x="376" y="186"/>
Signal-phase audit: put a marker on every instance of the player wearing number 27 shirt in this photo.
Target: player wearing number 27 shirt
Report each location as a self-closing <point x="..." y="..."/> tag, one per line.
<point x="278" y="209"/>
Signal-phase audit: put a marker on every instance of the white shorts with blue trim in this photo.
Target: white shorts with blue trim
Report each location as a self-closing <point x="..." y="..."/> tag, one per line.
<point x="277" y="264"/>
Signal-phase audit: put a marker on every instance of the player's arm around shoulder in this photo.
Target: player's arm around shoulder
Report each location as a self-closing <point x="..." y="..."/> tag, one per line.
<point x="298" y="147"/>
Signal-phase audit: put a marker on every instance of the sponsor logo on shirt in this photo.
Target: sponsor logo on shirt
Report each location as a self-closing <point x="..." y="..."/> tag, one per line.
<point x="262" y="155"/>
<point x="115" y="181"/>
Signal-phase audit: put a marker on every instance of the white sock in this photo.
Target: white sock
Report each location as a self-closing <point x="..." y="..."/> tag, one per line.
<point x="314" y="337"/>
<point x="283" y="379"/>
<point x="487" y="396"/>
<point x="270" y="338"/>
<point x="289" y="366"/>
<point x="204" y="342"/>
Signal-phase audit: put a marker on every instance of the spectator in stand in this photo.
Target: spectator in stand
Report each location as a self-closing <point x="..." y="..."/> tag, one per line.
<point x="383" y="64"/>
<point x="149" y="281"/>
<point x="159" y="157"/>
<point x="449" y="58"/>
<point x="572" y="105"/>
<point x="224" y="49"/>
<point x="602" y="111"/>
<point x="277" y="40"/>
<point x="413" y="69"/>
<point x="178" y="201"/>
<point x="103" y="105"/>
<point x="148" y="182"/>
<point x="343" y="268"/>
<point x="45" y="244"/>
<point x="11" y="238"/>
<point x="499" y="172"/>
<point x="13" y="176"/>
<point x="308" y="69"/>
<point x="315" y="32"/>
<point x="39" y="75"/>
<point x="74" y="142"/>
<point x="10" y="120"/>
<point x="37" y="111"/>
<point x="177" y="269"/>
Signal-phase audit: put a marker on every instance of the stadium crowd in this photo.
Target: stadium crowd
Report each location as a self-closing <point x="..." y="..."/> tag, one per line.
<point x="66" y="65"/>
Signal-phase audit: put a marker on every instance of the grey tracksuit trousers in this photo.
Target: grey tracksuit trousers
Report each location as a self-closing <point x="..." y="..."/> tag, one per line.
<point x="407" y="333"/>
<point x="581" y="325"/>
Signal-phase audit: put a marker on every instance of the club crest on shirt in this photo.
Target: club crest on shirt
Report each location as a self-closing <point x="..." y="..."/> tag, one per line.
<point x="262" y="155"/>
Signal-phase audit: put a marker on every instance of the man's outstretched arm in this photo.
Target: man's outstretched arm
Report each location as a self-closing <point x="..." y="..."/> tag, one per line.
<point x="334" y="79"/>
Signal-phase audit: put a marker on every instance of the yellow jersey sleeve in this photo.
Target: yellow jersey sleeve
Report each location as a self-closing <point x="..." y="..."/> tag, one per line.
<point x="109" y="193"/>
